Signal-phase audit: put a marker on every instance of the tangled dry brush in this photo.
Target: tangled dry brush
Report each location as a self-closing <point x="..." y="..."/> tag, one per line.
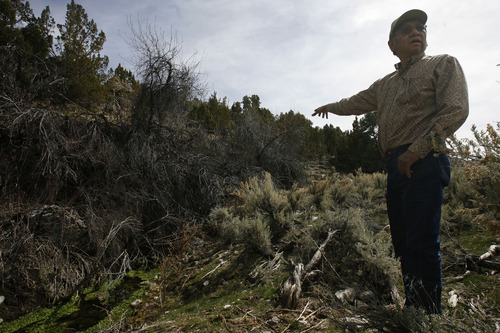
<point x="83" y="198"/>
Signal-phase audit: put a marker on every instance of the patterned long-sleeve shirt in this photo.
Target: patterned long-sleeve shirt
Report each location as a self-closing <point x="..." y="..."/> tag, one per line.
<point x="421" y="103"/>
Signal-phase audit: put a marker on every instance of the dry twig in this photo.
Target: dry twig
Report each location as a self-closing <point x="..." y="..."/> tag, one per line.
<point x="292" y="288"/>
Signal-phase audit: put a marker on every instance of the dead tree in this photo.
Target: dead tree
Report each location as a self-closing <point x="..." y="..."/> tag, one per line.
<point x="292" y="288"/>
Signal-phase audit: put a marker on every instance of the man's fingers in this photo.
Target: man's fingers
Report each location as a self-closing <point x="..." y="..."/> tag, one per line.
<point x="404" y="168"/>
<point x="408" y="173"/>
<point x="323" y="115"/>
<point x="405" y="162"/>
<point x="321" y="112"/>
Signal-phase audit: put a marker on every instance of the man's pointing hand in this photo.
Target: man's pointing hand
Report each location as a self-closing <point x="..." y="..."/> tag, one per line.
<point x="321" y="111"/>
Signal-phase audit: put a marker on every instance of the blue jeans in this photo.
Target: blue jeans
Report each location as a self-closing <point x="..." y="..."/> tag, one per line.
<point x="414" y="209"/>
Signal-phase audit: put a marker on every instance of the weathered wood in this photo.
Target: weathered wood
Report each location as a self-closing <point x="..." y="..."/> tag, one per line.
<point x="488" y="260"/>
<point x="490" y="253"/>
<point x="292" y="288"/>
<point x="475" y="263"/>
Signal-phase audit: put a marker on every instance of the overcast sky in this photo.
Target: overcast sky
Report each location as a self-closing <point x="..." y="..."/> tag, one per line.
<point x="297" y="55"/>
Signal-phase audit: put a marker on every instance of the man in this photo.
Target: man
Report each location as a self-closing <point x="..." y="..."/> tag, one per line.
<point x="418" y="106"/>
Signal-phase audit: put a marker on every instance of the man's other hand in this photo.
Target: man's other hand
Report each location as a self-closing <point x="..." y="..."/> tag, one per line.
<point x="405" y="161"/>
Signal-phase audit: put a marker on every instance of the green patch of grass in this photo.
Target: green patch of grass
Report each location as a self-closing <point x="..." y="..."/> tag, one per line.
<point x="122" y="310"/>
<point x="227" y="294"/>
<point x="95" y="309"/>
<point x="479" y="297"/>
<point x="479" y="303"/>
<point x="486" y="287"/>
<point x="231" y="293"/>
<point x="102" y="293"/>
<point x="476" y="241"/>
<point x="43" y="320"/>
<point x="208" y="312"/>
<point x="144" y="275"/>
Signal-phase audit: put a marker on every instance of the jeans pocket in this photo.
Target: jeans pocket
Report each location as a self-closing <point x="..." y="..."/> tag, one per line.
<point x="445" y="168"/>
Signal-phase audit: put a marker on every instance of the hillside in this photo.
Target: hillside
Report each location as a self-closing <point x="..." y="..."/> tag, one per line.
<point x="229" y="272"/>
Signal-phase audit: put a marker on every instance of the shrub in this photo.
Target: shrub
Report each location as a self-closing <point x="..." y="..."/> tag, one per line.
<point x="300" y="198"/>
<point x="260" y="198"/>
<point x="376" y="250"/>
<point x="321" y="194"/>
<point x="476" y="189"/>
<point x="258" y="207"/>
<point x="253" y="231"/>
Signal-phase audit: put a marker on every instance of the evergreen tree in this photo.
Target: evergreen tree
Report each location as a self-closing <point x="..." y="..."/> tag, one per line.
<point x="251" y="107"/>
<point x="25" y="42"/>
<point x="79" y="45"/>
<point x="122" y="89"/>
<point x="314" y="146"/>
<point x="368" y="124"/>
<point x="361" y="149"/>
<point x="202" y="115"/>
<point x="7" y="18"/>
<point x="335" y="140"/>
<point x="220" y="112"/>
<point x="236" y="113"/>
<point x="294" y="129"/>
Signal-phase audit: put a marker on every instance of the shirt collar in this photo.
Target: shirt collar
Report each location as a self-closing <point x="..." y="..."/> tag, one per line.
<point x="412" y="60"/>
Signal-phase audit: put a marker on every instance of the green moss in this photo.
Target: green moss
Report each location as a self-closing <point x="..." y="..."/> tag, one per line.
<point x="102" y="293"/>
<point x="230" y="293"/>
<point x="484" y="286"/>
<point x="476" y="241"/>
<point x="43" y="320"/>
<point x="120" y="311"/>
<point x="144" y="275"/>
<point x="81" y="312"/>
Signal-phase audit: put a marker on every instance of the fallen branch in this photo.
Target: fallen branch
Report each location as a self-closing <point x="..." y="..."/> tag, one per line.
<point x="485" y="260"/>
<point x="296" y="319"/>
<point x="292" y="288"/>
<point x="314" y="327"/>
<point x="488" y="260"/>
<point x="213" y="270"/>
<point x="457" y="278"/>
<point x="490" y="253"/>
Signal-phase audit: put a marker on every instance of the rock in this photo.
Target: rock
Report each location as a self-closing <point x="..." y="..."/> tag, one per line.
<point x="453" y="300"/>
<point x="273" y="321"/>
<point x="358" y="320"/>
<point x="346" y="295"/>
<point x="2" y="298"/>
<point x="367" y="295"/>
<point x="360" y="305"/>
<point x="136" y="302"/>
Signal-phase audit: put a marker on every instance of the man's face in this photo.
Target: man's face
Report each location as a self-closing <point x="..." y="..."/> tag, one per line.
<point x="409" y="39"/>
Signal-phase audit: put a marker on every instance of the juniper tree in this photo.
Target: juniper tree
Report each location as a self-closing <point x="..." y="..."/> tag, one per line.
<point x="79" y="45"/>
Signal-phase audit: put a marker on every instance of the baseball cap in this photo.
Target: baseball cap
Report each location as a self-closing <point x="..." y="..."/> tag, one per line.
<point x="413" y="14"/>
